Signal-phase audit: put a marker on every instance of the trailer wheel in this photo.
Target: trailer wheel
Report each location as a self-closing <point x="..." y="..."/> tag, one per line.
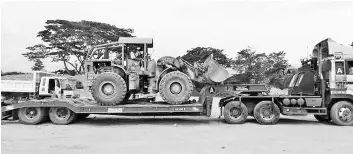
<point x="61" y="115"/>
<point x="32" y="115"/>
<point x="109" y="89"/>
<point x="235" y="112"/>
<point x="266" y="113"/>
<point x="342" y="113"/>
<point x="175" y="87"/>
<point x="322" y="118"/>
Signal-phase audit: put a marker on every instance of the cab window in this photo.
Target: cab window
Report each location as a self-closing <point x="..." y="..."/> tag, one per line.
<point x="291" y="84"/>
<point x="350" y="67"/>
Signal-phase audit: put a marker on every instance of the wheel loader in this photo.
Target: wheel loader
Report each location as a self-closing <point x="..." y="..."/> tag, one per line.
<point x="123" y="70"/>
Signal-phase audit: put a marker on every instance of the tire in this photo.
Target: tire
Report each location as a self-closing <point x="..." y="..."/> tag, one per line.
<point x="61" y="115"/>
<point x="114" y="89"/>
<point x="32" y="115"/>
<point x="266" y="113"/>
<point x="175" y="87"/>
<point x="342" y="113"/>
<point x="322" y="118"/>
<point x="235" y="112"/>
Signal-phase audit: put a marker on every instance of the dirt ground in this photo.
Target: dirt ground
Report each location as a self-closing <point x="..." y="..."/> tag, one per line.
<point x="175" y="135"/>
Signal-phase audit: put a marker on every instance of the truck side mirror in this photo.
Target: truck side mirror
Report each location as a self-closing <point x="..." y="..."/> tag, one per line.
<point x="79" y="85"/>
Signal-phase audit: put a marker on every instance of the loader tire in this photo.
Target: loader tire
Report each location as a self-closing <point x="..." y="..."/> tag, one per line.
<point x="61" y="115"/>
<point x="32" y="115"/>
<point x="342" y="113"/>
<point x="109" y="89"/>
<point x="175" y="87"/>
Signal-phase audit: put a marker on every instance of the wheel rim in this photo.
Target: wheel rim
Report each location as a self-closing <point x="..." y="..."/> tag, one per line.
<point x="235" y="112"/>
<point x="175" y="88"/>
<point x="31" y="112"/>
<point x="108" y="88"/>
<point x="62" y="113"/>
<point x="345" y="114"/>
<point x="266" y="112"/>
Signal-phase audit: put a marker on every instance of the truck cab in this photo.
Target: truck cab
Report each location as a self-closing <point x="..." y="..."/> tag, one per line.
<point x="56" y="87"/>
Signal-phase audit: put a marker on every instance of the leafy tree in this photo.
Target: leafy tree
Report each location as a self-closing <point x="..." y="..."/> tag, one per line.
<point x="11" y="73"/>
<point x="68" y="41"/>
<point x="38" y="65"/>
<point x="261" y="67"/>
<point x="250" y="65"/>
<point x="199" y="54"/>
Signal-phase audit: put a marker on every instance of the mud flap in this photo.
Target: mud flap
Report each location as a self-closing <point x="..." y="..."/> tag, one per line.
<point x="209" y="101"/>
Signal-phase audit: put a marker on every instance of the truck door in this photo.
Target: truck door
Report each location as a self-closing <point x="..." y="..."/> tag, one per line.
<point x="43" y="87"/>
<point x="57" y="88"/>
<point x="349" y="72"/>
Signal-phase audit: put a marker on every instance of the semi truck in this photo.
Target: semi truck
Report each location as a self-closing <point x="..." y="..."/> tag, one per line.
<point x="322" y="87"/>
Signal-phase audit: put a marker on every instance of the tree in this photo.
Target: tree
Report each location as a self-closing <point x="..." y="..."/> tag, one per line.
<point x="261" y="67"/>
<point x="199" y="54"/>
<point x="351" y="44"/>
<point x="38" y="65"/>
<point x="68" y="41"/>
<point x="250" y="65"/>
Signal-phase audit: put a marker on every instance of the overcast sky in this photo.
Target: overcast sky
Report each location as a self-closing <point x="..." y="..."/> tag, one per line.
<point x="177" y="26"/>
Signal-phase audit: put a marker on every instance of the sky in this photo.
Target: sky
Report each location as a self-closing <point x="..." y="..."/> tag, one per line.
<point x="177" y="26"/>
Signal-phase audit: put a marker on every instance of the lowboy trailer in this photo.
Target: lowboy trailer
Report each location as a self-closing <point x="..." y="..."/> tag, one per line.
<point x="65" y="110"/>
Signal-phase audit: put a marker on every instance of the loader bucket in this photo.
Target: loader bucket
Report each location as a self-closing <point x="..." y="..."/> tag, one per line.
<point x="215" y="72"/>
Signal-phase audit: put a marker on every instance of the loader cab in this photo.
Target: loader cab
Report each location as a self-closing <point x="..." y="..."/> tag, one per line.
<point x="127" y="55"/>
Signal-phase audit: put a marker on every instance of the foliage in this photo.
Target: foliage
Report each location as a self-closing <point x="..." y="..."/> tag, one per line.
<point x="38" y="65"/>
<point x="199" y="54"/>
<point x="11" y="73"/>
<point x="261" y="67"/>
<point x="68" y="41"/>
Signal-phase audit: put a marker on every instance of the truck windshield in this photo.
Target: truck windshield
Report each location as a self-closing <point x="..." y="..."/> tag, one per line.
<point x="292" y="82"/>
<point x="65" y="84"/>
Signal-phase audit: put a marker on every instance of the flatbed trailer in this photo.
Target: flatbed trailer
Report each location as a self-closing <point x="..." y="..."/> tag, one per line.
<point x="65" y="111"/>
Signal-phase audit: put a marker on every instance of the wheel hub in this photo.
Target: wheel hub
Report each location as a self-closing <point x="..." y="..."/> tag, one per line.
<point x="235" y="112"/>
<point x="31" y="112"/>
<point x="266" y="112"/>
<point x="62" y="113"/>
<point x="345" y="114"/>
<point x="108" y="89"/>
<point x="175" y="88"/>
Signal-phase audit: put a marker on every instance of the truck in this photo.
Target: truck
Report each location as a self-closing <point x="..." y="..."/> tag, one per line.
<point x="323" y="87"/>
<point x="35" y="85"/>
